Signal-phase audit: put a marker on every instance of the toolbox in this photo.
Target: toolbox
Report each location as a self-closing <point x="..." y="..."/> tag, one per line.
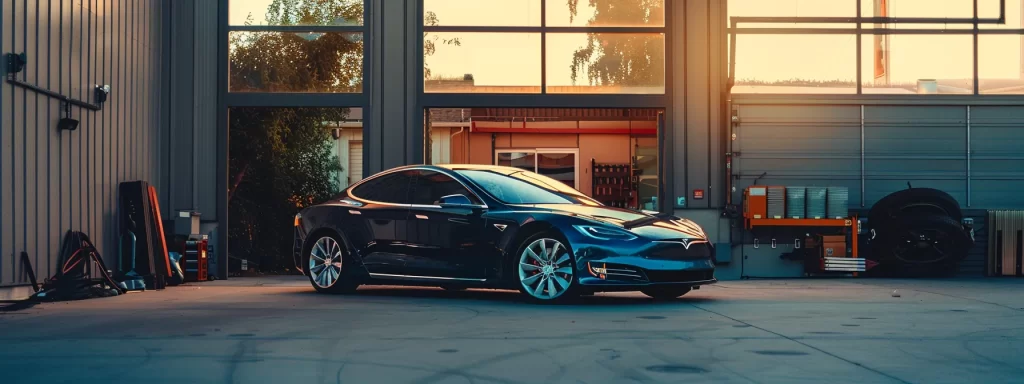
<point x="195" y="261"/>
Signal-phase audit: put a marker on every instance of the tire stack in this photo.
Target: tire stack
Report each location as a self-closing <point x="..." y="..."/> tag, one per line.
<point x="918" y="232"/>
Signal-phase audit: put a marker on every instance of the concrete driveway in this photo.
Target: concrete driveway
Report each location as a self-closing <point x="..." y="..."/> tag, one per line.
<point x="277" y="330"/>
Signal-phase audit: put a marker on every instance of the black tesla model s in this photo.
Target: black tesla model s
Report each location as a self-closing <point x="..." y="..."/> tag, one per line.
<point x="466" y="226"/>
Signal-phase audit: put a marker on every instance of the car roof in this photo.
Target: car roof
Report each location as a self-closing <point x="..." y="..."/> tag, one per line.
<point x="493" y="168"/>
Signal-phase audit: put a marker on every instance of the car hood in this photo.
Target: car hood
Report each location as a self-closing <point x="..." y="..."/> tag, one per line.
<point x="650" y="226"/>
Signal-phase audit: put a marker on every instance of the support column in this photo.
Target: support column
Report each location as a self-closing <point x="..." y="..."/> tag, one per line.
<point x="393" y="132"/>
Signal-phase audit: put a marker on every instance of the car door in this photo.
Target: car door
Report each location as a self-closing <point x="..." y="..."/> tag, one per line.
<point x="445" y="242"/>
<point x="384" y="220"/>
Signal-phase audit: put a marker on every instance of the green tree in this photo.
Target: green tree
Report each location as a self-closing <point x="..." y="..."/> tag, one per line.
<point x="611" y="59"/>
<point x="280" y="158"/>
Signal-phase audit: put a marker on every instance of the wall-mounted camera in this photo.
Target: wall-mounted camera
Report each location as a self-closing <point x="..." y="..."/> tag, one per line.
<point x="101" y="93"/>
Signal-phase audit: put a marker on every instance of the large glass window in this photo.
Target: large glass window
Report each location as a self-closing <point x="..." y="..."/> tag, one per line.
<point x="619" y="13"/>
<point x="605" y="63"/>
<point x="295" y="46"/>
<point x="483" y="63"/>
<point x="1001" y="64"/>
<point x="495" y="13"/>
<point x="600" y="46"/>
<point x="302" y="12"/>
<point x="295" y="62"/>
<point x="793" y="8"/>
<point x="896" y="57"/>
<point x="796" y="64"/>
<point x="921" y="64"/>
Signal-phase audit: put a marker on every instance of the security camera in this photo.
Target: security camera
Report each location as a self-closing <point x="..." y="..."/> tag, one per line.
<point x="102" y="91"/>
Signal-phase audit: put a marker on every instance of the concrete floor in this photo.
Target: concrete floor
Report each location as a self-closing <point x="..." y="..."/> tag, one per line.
<point x="277" y="330"/>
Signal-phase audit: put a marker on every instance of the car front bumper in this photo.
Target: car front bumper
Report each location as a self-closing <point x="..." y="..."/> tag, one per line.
<point x="650" y="264"/>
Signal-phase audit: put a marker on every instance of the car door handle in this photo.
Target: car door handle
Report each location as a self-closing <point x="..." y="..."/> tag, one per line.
<point x="422" y="217"/>
<point x="458" y="220"/>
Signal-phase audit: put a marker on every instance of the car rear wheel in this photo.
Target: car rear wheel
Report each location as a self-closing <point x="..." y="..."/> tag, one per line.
<point x="546" y="269"/>
<point x="666" y="292"/>
<point x="327" y="267"/>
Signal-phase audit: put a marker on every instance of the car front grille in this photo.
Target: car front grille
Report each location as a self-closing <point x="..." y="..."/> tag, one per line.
<point x="675" y="250"/>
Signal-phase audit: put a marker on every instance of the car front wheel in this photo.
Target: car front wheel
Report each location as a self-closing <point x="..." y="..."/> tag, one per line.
<point x="546" y="269"/>
<point x="327" y="267"/>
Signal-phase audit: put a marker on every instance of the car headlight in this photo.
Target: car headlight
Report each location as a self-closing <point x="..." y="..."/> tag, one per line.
<point x="604" y="233"/>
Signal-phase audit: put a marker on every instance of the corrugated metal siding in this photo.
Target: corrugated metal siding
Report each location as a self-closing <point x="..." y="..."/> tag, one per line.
<point x="923" y="145"/>
<point x="53" y="181"/>
<point x="193" y="121"/>
<point x="206" y="108"/>
<point x="798" y="146"/>
<point x="997" y="157"/>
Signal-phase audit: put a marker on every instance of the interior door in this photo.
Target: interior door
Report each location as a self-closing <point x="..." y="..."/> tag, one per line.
<point x="445" y="242"/>
<point x="384" y="249"/>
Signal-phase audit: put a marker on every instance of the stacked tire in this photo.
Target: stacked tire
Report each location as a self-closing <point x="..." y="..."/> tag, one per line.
<point x="918" y="232"/>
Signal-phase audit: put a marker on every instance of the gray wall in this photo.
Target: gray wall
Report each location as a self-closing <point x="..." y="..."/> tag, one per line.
<point x="192" y="124"/>
<point x="53" y="181"/>
<point x="926" y="145"/>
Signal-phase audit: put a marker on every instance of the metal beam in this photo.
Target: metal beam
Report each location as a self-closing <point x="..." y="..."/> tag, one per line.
<point x="298" y="28"/>
<point x="296" y="99"/>
<point x="871" y="31"/>
<point x="543" y="29"/>
<point x="471" y="100"/>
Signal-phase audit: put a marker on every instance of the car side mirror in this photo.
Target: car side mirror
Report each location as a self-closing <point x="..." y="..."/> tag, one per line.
<point x="456" y="201"/>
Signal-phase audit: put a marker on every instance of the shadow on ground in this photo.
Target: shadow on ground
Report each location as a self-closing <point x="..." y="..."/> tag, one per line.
<point x="493" y="296"/>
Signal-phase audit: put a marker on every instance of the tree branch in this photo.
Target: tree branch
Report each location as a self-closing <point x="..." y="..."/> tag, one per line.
<point x="238" y="180"/>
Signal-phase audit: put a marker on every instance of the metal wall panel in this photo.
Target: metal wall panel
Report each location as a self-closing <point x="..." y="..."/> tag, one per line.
<point x="205" y="115"/>
<point x="798" y="146"/>
<point x="53" y="181"/>
<point x="925" y="146"/>
<point x="997" y="158"/>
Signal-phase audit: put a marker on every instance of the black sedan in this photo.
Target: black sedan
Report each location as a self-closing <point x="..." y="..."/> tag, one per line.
<point x="472" y="226"/>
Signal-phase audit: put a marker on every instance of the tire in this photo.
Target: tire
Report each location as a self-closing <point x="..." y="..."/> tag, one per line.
<point x="545" y="272"/>
<point x="914" y="201"/>
<point x="340" y="279"/>
<point x="666" y="292"/>
<point x="934" y="240"/>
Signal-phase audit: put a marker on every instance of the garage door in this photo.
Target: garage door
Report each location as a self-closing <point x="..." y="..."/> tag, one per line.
<point x="355" y="161"/>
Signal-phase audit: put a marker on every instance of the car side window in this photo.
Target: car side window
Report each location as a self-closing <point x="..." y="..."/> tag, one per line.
<point x="430" y="186"/>
<point x="392" y="188"/>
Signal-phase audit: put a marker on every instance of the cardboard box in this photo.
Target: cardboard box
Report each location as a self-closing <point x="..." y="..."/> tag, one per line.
<point x="834" y="249"/>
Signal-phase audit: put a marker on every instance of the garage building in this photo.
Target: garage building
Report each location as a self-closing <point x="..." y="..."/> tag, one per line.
<point x="693" y="100"/>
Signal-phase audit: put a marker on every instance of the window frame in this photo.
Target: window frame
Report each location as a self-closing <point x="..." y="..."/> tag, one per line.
<point x="424" y="173"/>
<point x="864" y="26"/>
<point x="367" y="181"/>
<point x="659" y="99"/>
<point x="297" y="99"/>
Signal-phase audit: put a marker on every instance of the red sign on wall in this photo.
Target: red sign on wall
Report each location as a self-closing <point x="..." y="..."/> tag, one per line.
<point x="698" y="194"/>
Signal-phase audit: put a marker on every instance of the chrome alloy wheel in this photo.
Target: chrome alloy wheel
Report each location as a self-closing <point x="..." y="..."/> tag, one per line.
<point x="545" y="269"/>
<point x="325" y="262"/>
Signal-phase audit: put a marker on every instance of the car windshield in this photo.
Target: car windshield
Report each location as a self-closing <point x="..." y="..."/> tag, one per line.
<point x="514" y="190"/>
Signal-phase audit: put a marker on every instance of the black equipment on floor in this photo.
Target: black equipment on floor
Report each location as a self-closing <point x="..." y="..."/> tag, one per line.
<point x="74" y="279"/>
<point x="136" y="217"/>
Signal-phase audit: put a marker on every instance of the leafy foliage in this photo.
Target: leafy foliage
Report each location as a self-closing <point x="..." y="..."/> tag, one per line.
<point x="611" y="59"/>
<point x="281" y="158"/>
<point x="430" y="42"/>
<point x="300" y="62"/>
